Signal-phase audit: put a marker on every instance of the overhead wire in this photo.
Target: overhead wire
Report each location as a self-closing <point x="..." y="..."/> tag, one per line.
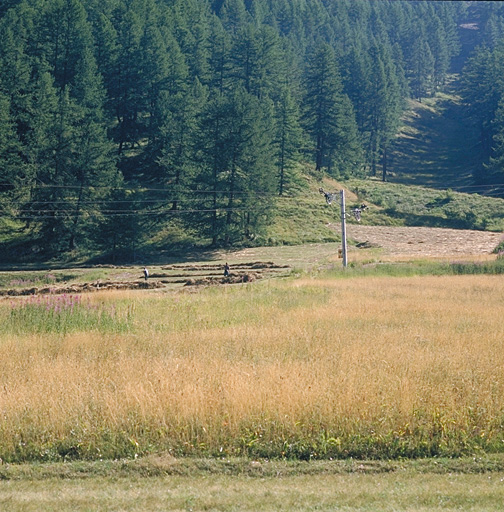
<point x="44" y="214"/>
<point x="84" y="206"/>
<point x="143" y="189"/>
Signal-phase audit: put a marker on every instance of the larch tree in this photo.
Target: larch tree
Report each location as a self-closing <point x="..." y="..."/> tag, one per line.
<point x="329" y="116"/>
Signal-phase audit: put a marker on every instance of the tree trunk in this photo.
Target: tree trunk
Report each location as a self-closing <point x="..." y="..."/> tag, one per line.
<point x="384" y="165"/>
<point x="71" y="243"/>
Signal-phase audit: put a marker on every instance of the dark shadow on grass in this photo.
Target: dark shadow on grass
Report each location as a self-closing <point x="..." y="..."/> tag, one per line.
<point x="438" y="145"/>
<point x="432" y="221"/>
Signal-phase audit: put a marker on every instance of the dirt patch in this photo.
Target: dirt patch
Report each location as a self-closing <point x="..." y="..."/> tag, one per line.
<point x="81" y="287"/>
<point x="420" y="241"/>
<point x="246" y="277"/>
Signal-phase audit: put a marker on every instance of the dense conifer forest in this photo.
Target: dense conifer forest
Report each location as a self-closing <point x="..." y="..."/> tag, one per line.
<point x="124" y="119"/>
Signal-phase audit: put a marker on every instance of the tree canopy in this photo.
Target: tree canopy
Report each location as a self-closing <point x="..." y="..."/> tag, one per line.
<point x="131" y="116"/>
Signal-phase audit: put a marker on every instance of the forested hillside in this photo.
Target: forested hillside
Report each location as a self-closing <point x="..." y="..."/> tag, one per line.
<point x="122" y="122"/>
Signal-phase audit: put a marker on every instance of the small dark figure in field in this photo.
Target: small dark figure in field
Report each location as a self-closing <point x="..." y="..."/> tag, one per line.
<point x="226" y="270"/>
<point x="145" y="273"/>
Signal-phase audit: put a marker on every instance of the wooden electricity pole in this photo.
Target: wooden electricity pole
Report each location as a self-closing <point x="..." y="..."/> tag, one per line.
<point x="343" y="230"/>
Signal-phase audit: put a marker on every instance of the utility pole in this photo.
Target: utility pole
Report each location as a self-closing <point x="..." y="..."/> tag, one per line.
<point x="343" y="229"/>
<point x="329" y="199"/>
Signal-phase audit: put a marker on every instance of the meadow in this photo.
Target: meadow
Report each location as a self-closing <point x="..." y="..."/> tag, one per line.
<point x="315" y="367"/>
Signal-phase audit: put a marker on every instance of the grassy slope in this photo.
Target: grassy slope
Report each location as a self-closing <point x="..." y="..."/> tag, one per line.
<point x="431" y="165"/>
<point x="437" y="146"/>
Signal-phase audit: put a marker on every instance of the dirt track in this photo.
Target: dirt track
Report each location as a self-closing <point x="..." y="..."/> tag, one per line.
<point x="422" y="241"/>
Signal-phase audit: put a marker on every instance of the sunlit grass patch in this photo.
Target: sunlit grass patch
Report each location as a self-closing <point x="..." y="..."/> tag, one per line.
<point x="64" y="313"/>
<point x="312" y="368"/>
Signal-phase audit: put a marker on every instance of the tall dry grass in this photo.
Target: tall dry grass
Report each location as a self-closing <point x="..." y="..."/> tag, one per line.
<point x="376" y="367"/>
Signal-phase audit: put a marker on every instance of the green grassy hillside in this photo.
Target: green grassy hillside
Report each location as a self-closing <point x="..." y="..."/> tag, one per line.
<point x="437" y="146"/>
<point x="431" y="164"/>
<point x="307" y="218"/>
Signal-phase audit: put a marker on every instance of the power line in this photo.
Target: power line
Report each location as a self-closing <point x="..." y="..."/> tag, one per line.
<point x="491" y="188"/>
<point x="127" y="189"/>
<point x="121" y="213"/>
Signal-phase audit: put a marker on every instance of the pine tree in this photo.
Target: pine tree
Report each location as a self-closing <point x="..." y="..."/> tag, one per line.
<point x="12" y="172"/>
<point x="124" y="83"/>
<point x="220" y="57"/>
<point x="14" y="59"/>
<point x="15" y="87"/>
<point x="237" y="170"/>
<point x="384" y="107"/>
<point x="423" y="69"/>
<point x="154" y="71"/>
<point x="356" y="71"/>
<point x="178" y="139"/>
<point x="233" y="14"/>
<point x="119" y="228"/>
<point x="189" y="22"/>
<point x="63" y="34"/>
<point x="44" y="141"/>
<point x="257" y="61"/>
<point x="94" y="170"/>
<point x="482" y="89"/>
<point x="329" y="115"/>
<point x="493" y="171"/>
<point x="289" y="136"/>
<point x="440" y="51"/>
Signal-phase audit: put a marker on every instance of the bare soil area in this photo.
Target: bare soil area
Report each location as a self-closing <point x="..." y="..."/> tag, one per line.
<point x="421" y="241"/>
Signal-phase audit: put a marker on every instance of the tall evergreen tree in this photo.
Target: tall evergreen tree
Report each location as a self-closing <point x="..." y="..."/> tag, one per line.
<point x="220" y="57"/>
<point x="63" y="35"/>
<point x="482" y="89"/>
<point x="440" y="50"/>
<point x="12" y="168"/>
<point x="94" y="164"/>
<point x="124" y="84"/>
<point x="237" y="170"/>
<point x="356" y="72"/>
<point x="178" y="134"/>
<point x="153" y="72"/>
<point x="422" y="74"/>
<point x="257" y="60"/>
<point x="234" y="15"/>
<point x="47" y="178"/>
<point x="189" y="22"/>
<point x="329" y="115"/>
<point x="289" y="140"/>
<point x="385" y="107"/>
<point x="493" y="171"/>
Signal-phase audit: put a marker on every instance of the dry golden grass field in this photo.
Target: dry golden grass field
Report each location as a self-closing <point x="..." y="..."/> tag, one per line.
<point x="308" y="368"/>
<point x="317" y="367"/>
